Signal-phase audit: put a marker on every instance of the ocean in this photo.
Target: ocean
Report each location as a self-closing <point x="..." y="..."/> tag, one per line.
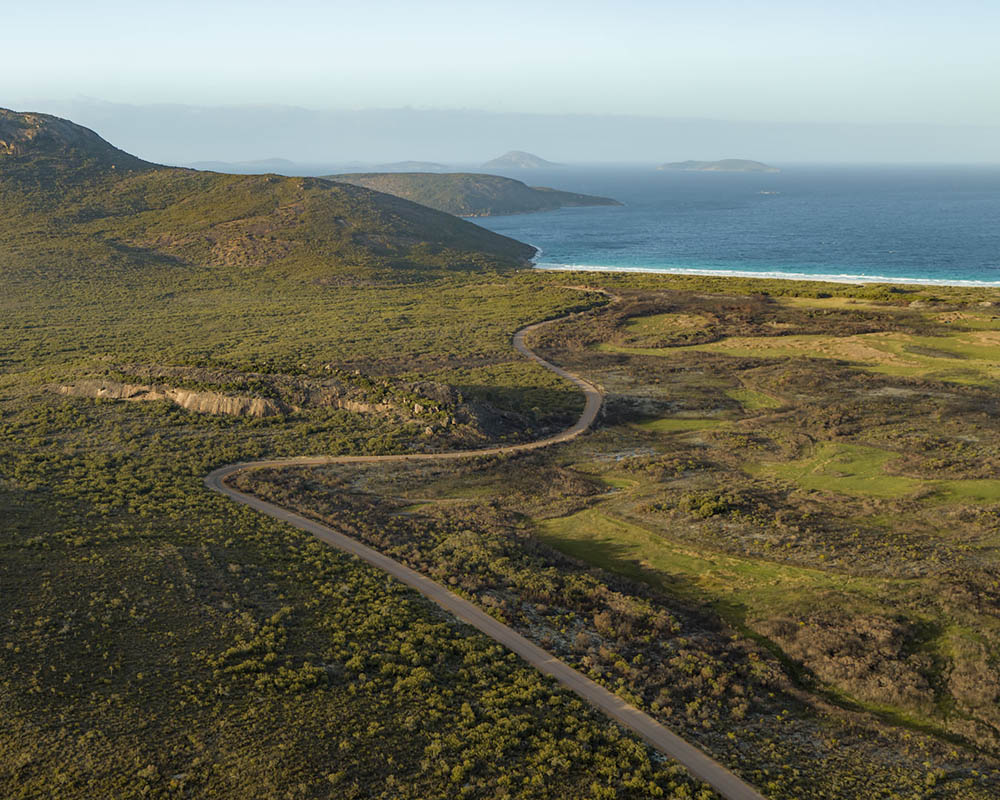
<point x="935" y="225"/>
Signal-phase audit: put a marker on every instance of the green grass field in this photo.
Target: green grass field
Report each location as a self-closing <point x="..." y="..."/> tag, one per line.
<point x="735" y="586"/>
<point x="860" y="470"/>
<point x="970" y="356"/>
<point x="753" y="400"/>
<point x="679" y="424"/>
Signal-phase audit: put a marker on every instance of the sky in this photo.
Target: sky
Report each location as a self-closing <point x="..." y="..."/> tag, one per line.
<point x="852" y="62"/>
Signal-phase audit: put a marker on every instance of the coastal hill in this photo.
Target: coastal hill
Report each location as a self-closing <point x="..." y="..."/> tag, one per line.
<point x="518" y="159"/>
<point x="472" y="195"/>
<point x="89" y="196"/>
<point x="37" y="147"/>
<point x="725" y="165"/>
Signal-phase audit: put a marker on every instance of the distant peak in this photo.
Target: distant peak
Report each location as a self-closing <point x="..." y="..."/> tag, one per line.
<point x="518" y="159"/>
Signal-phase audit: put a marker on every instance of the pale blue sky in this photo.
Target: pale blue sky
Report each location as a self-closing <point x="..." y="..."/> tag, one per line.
<point x="849" y="61"/>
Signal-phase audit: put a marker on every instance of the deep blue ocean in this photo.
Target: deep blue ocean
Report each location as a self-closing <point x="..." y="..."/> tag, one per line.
<point x="847" y="223"/>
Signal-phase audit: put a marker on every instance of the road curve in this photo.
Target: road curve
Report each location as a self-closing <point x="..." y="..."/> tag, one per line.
<point x="666" y="741"/>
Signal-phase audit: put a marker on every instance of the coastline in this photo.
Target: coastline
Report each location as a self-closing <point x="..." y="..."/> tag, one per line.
<point x="774" y="275"/>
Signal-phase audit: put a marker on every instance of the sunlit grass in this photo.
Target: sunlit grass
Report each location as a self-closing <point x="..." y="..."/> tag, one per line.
<point x="753" y="400"/>
<point x="667" y="323"/>
<point x="734" y="585"/>
<point x="860" y="471"/>
<point x="679" y="424"/>
<point x="971" y="357"/>
<point x="838" y="303"/>
<point x="844" y="468"/>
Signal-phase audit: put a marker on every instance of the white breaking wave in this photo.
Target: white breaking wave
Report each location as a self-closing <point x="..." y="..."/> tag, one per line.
<point x="789" y="276"/>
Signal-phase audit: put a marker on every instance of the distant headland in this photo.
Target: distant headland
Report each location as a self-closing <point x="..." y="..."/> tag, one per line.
<point x="471" y="195"/>
<point x="724" y="165"/>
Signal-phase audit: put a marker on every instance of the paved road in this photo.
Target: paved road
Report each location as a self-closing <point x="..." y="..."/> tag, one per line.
<point x="666" y="741"/>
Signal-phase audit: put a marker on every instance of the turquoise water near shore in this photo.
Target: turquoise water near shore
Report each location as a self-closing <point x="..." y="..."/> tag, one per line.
<point x="936" y="225"/>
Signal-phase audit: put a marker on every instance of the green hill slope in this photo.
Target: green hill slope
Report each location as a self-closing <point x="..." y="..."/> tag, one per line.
<point x="470" y="194"/>
<point x="64" y="188"/>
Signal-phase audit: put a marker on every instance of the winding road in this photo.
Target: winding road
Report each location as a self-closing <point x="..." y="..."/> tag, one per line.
<point x="666" y="741"/>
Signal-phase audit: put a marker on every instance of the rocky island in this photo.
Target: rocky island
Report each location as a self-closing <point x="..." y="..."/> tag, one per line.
<point x="518" y="159"/>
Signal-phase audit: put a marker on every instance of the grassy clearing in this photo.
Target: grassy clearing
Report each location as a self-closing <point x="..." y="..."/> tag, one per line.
<point x="844" y="468"/>
<point x="679" y="424"/>
<point x="966" y="357"/>
<point x="735" y="586"/>
<point x="619" y="483"/>
<point x="839" y="303"/>
<point x="752" y="400"/>
<point x="667" y="323"/>
<point x="987" y="491"/>
<point x="859" y="470"/>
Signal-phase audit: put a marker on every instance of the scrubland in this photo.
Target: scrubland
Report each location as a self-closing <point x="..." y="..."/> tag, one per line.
<point x="787" y="546"/>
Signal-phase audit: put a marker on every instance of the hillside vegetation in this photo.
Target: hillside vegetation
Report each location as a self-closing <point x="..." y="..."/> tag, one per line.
<point x="63" y="188"/>
<point x="472" y="195"/>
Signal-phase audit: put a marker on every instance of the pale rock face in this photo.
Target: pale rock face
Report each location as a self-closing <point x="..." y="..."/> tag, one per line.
<point x="202" y="402"/>
<point x="234" y="406"/>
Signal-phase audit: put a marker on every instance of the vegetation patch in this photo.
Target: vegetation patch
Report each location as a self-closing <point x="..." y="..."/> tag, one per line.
<point x="734" y="585"/>
<point x="968" y="357"/>
<point x="752" y="400"/>
<point x="844" y="468"/>
<point x="860" y="470"/>
<point x="679" y="424"/>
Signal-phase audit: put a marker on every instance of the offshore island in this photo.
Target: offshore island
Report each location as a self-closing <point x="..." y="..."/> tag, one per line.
<point x="724" y="165"/>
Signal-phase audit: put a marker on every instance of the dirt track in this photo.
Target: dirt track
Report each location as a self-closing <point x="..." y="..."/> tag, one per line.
<point x="697" y="763"/>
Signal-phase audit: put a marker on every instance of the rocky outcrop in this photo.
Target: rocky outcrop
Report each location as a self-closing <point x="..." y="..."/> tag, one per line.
<point x="288" y="394"/>
<point x="201" y="402"/>
<point x="436" y="406"/>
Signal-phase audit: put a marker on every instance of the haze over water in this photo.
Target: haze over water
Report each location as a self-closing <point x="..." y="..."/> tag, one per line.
<point x="922" y="224"/>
